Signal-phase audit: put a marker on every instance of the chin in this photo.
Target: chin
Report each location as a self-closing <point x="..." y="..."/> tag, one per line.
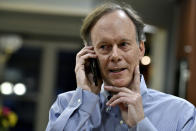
<point x="120" y="83"/>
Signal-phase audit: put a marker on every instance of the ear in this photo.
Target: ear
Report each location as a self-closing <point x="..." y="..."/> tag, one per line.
<point x="142" y="49"/>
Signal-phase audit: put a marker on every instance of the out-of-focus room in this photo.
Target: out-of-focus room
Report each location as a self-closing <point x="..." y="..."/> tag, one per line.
<point x="39" y="40"/>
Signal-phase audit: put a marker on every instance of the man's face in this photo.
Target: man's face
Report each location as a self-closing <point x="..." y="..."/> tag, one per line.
<point x="114" y="41"/>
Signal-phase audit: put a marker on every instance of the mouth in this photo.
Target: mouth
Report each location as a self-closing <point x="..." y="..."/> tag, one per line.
<point x="117" y="70"/>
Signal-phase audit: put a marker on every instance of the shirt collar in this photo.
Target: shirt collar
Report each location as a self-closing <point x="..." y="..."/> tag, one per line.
<point x="143" y="88"/>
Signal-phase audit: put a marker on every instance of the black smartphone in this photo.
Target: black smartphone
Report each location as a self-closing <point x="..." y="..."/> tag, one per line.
<point x="94" y="67"/>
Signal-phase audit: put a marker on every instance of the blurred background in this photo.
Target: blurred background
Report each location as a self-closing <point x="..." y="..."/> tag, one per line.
<point x="39" y="40"/>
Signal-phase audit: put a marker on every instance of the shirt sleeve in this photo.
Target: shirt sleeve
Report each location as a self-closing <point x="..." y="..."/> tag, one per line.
<point x="189" y="120"/>
<point x="73" y="113"/>
<point x="144" y="125"/>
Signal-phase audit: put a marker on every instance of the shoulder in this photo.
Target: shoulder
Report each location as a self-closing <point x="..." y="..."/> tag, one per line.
<point x="167" y="107"/>
<point x="168" y="101"/>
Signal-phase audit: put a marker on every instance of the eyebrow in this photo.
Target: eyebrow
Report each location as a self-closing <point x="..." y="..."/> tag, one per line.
<point x="126" y="40"/>
<point x="108" y="41"/>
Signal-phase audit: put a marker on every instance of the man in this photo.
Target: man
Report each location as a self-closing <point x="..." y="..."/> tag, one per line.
<point x="113" y="34"/>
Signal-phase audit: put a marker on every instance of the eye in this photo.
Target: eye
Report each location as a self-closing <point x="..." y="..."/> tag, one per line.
<point x="103" y="46"/>
<point x="123" y="44"/>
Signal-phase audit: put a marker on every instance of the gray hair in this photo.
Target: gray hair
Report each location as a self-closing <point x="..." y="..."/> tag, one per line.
<point x="106" y="8"/>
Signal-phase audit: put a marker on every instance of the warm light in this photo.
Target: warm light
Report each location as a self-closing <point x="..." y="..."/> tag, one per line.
<point x="19" y="89"/>
<point x="10" y="43"/>
<point x="6" y="88"/>
<point x="146" y="60"/>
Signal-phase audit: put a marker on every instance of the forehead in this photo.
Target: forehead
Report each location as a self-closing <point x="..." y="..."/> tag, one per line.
<point x="115" y="24"/>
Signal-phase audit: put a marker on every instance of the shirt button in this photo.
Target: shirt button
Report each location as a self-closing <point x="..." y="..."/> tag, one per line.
<point x="79" y="100"/>
<point x="121" y="122"/>
<point x="108" y="108"/>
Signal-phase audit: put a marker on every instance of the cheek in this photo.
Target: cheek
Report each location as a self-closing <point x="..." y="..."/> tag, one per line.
<point x="133" y="58"/>
<point x="102" y="62"/>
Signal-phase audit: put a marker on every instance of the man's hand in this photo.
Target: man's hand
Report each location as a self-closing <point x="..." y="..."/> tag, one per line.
<point x="129" y="100"/>
<point x="84" y="77"/>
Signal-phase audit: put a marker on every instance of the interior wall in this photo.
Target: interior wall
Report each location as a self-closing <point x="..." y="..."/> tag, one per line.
<point x="159" y="44"/>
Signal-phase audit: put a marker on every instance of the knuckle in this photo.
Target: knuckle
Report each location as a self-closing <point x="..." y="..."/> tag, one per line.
<point x="120" y="93"/>
<point x="137" y="98"/>
<point x="121" y="99"/>
<point x="113" y="98"/>
<point x="84" y="57"/>
<point x="125" y="89"/>
<point x="76" y="69"/>
<point x="77" y="55"/>
<point x="116" y="96"/>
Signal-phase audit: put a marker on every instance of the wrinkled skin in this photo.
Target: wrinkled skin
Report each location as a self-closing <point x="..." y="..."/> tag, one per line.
<point x="114" y="45"/>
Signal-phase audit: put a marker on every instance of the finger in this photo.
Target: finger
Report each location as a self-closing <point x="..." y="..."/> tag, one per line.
<point x="117" y="89"/>
<point x="114" y="97"/>
<point x="121" y="100"/>
<point x="85" y="51"/>
<point x="80" y="62"/>
<point x="136" y="81"/>
<point x="127" y="100"/>
<point x="89" y="47"/>
<point x="87" y="56"/>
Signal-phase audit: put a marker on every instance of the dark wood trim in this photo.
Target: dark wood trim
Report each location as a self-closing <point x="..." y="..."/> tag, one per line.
<point x="187" y="37"/>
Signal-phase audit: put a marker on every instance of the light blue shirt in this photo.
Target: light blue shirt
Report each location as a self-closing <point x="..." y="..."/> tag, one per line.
<point x="81" y="110"/>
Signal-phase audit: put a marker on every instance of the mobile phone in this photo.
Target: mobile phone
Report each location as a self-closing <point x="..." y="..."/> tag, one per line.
<point x="94" y="67"/>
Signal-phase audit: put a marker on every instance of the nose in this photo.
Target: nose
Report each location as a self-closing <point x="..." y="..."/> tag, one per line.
<point x="115" y="55"/>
